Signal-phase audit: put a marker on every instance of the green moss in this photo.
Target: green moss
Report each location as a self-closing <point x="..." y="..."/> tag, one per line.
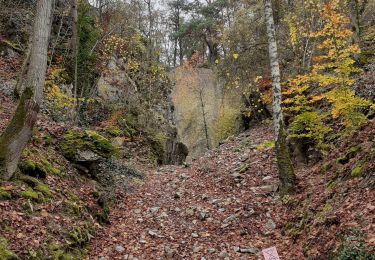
<point x="266" y="144"/>
<point x="5" y="253"/>
<point x="50" y="169"/>
<point x="31" y="181"/>
<point x="38" y="169"/>
<point x="328" y="207"/>
<point x="74" y="207"/>
<point x="244" y="168"/>
<point x="358" y="168"/>
<point x="115" y="131"/>
<point x="102" y="216"/>
<point x="13" y="130"/>
<point x="350" y="154"/>
<point x="325" y="168"/>
<point x="79" y="237"/>
<point x="86" y="140"/>
<point x="157" y="142"/>
<point x="44" y="189"/>
<point x="95" y="194"/>
<point x="284" y="163"/>
<point x="58" y="253"/>
<point x="4" y="195"/>
<point x="32" y="195"/>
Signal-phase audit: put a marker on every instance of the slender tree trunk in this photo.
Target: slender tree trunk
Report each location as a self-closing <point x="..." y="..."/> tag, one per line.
<point x="204" y="119"/>
<point x="19" y="131"/>
<point x="286" y="171"/>
<point x="19" y="86"/>
<point x="75" y="45"/>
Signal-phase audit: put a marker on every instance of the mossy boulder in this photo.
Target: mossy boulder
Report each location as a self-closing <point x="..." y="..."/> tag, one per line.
<point x="86" y="145"/>
<point x="5" y="253"/>
<point x="38" y="169"/>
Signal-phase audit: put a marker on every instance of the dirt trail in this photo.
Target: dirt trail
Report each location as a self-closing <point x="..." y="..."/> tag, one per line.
<point x="222" y="207"/>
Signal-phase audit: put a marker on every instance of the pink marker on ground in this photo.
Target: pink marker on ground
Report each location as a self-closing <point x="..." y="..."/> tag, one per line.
<point x="270" y="254"/>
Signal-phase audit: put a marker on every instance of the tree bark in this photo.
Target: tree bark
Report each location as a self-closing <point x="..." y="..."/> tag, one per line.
<point x="19" y="131"/>
<point x="75" y="45"/>
<point x="285" y="167"/>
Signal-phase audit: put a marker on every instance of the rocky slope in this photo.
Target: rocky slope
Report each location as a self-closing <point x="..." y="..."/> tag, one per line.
<point x="226" y="206"/>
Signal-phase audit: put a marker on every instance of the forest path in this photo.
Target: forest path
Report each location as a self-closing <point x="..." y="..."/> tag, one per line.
<point x="223" y="206"/>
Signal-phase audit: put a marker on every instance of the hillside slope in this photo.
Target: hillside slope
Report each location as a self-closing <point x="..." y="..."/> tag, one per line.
<point x="226" y="206"/>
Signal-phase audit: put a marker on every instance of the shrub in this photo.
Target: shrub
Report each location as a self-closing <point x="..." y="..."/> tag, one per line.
<point x="309" y="125"/>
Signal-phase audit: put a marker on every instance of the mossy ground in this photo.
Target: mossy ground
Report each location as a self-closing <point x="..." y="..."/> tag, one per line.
<point x="4" y="195"/>
<point x="39" y="168"/>
<point x="5" y="253"/>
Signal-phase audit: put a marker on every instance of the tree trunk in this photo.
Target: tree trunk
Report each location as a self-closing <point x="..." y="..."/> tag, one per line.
<point x="19" y="85"/>
<point x="75" y="45"/>
<point x="19" y="131"/>
<point x="286" y="171"/>
<point x="204" y="119"/>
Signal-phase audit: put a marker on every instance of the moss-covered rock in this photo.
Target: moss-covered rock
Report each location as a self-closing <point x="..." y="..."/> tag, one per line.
<point x="158" y="144"/>
<point x="75" y="141"/>
<point x="38" y="169"/>
<point x="5" y="253"/>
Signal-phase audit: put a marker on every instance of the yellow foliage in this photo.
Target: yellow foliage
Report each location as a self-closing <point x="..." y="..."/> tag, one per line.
<point x="330" y="79"/>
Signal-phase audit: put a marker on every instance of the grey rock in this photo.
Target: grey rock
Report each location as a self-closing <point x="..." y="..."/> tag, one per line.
<point x="250" y="250"/>
<point x="196" y="249"/>
<point x="154" y="209"/>
<point x="195" y="235"/>
<point x="202" y="215"/>
<point x="269" y="188"/>
<point x="153" y="233"/>
<point x="177" y="195"/>
<point x="270" y="225"/>
<point x="87" y="156"/>
<point x="267" y="178"/>
<point x="120" y="249"/>
<point x="216" y="201"/>
<point x="169" y="252"/>
<point x="211" y="250"/>
<point x="190" y="211"/>
<point x="224" y="255"/>
<point x="204" y="197"/>
<point x="229" y="219"/>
